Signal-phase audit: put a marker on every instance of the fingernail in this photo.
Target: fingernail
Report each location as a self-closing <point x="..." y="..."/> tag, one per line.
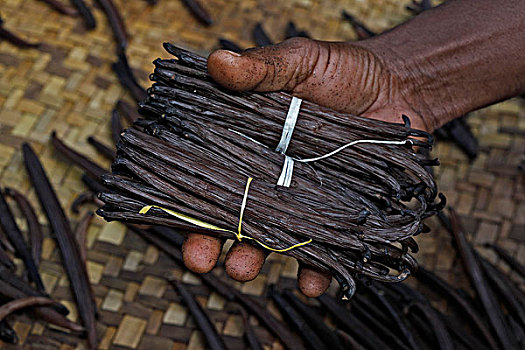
<point x="235" y="54"/>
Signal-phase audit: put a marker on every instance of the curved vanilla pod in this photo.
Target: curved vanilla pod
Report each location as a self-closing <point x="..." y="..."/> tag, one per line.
<point x="360" y="29"/>
<point x="308" y="335"/>
<point x="46" y="313"/>
<point x="7" y="333"/>
<point x="83" y="198"/>
<point x="36" y="235"/>
<point x="229" y="45"/>
<point x="198" y="11"/>
<point x="75" y="269"/>
<point x="11" y="283"/>
<point x="443" y="288"/>
<point x="249" y="334"/>
<point x="15" y="39"/>
<point x="351" y="324"/>
<point x="60" y="7"/>
<point x="106" y="151"/>
<point x="8" y="224"/>
<point x="213" y="339"/>
<point x="490" y="305"/>
<point x="18" y="304"/>
<point x="514" y="264"/>
<point x="76" y="158"/>
<point x="85" y="13"/>
<point x="127" y="78"/>
<point x="116" y="23"/>
<point x="314" y="320"/>
<point x="260" y="37"/>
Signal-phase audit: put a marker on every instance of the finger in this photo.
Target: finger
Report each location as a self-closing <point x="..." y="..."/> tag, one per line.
<point x="270" y="68"/>
<point x="244" y="261"/>
<point x="200" y="252"/>
<point x="313" y="282"/>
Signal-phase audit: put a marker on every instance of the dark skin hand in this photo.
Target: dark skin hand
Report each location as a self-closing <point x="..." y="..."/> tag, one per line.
<point x="444" y="63"/>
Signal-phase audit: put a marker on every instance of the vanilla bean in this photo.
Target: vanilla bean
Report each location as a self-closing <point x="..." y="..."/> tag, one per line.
<point x="349" y="341"/>
<point x="213" y="339"/>
<point x="115" y="22"/>
<point x="17" y="304"/>
<point x="75" y="269"/>
<point x="60" y="7"/>
<point x="229" y="45"/>
<point x="260" y="37"/>
<point x="477" y="279"/>
<point x="352" y="325"/>
<point x="85" y="12"/>
<point x="127" y="77"/>
<point x="36" y="235"/>
<point x="249" y="334"/>
<point x="46" y="313"/>
<point x="15" y="39"/>
<point x="6" y="260"/>
<point x="515" y="308"/>
<point x="310" y="338"/>
<point x="440" y="332"/>
<point x="386" y="305"/>
<point x="7" y="333"/>
<point x="116" y="125"/>
<point x="85" y="197"/>
<point x="102" y="148"/>
<point x="198" y="11"/>
<point x="8" y="224"/>
<point x="360" y="29"/>
<point x="128" y="111"/>
<point x="13" y="287"/>
<point x="437" y="284"/>
<point x="514" y="264"/>
<point x="77" y="158"/>
<point x="292" y="31"/>
<point x="376" y="325"/>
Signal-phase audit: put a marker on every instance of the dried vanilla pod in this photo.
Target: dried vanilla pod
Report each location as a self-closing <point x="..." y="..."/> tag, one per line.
<point x="352" y="213"/>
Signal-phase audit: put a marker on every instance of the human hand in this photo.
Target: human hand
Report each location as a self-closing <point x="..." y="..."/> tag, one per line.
<point x="341" y="76"/>
<point x="442" y="64"/>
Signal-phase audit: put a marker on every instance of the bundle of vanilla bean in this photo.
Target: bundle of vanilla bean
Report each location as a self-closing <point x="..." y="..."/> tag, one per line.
<point x="188" y="165"/>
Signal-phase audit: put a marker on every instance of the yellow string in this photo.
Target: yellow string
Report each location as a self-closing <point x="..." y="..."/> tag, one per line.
<point x="206" y="225"/>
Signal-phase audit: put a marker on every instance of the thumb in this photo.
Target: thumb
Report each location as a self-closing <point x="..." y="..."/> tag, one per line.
<point x="270" y="68"/>
<point x="341" y="76"/>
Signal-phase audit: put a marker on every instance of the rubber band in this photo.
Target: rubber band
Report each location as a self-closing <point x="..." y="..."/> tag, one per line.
<point x="289" y="125"/>
<point x="237" y="234"/>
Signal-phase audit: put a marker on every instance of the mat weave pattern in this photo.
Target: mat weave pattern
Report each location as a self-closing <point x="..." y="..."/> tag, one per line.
<point x="67" y="85"/>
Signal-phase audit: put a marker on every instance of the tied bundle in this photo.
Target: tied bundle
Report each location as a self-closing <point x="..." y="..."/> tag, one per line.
<point x="203" y="160"/>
